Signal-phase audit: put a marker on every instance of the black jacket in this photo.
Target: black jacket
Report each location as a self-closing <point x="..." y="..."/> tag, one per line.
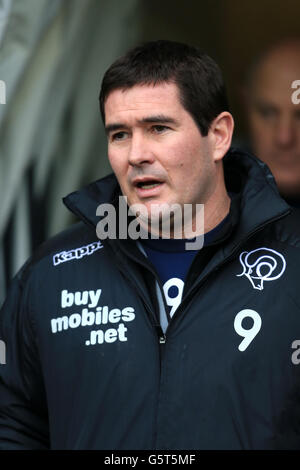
<point x="88" y="366"/>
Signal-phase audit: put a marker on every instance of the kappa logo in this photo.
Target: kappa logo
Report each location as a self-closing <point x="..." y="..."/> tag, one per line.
<point x="262" y="264"/>
<point x="77" y="253"/>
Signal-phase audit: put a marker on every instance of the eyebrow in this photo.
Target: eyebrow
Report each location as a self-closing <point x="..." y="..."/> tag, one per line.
<point x="158" y="118"/>
<point x="264" y="104"/>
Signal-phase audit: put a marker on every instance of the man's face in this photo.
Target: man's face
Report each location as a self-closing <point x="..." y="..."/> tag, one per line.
<point x="156" y="149"/>
<point x="274" y="121"/>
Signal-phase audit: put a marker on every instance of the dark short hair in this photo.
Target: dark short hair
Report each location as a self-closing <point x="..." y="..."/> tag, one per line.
<point x="197" y="76"/>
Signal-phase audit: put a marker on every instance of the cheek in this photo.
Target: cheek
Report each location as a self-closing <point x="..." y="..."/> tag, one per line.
<point x="261" y="133"/>
<point x="183" y="155"/>
<point x="116" y="162"/>
<point x="187" y="170"/>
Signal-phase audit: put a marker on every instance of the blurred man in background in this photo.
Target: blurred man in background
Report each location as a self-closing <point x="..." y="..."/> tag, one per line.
<point x="273" y="119"/>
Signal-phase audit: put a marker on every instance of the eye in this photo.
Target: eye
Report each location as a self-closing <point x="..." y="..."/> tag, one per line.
<point x="159" y="129"/>
<point x="267" y="112"/>
<point x="119" y="136"/>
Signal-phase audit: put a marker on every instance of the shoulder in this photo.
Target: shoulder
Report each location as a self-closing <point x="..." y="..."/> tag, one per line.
<point x="287" y="229"/>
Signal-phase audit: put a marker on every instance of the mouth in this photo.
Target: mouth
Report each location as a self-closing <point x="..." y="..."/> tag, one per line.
<point x="146" y="183"/>
<point x="147" y="186"/>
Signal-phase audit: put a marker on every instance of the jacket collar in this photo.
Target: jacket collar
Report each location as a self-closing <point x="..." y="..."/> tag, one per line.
<point x="260" y="202"/>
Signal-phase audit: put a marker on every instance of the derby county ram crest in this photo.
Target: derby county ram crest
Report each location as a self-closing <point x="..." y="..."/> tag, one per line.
<point x="260" y="265"/>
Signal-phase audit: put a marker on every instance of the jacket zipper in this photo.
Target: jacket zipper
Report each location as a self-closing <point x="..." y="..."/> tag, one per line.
<point x="161" y="335"/>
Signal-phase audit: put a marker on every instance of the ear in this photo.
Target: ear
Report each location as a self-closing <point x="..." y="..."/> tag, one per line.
<point x="221" y="130"/>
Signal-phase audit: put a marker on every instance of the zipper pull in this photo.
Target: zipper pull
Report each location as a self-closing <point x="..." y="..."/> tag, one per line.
<point x="162" y="339"/>
<point x="161" y="335"/>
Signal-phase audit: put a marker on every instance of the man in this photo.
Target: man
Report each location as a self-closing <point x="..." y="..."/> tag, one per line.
<point x="273" y="117"/>
<point x="142" y="343"/>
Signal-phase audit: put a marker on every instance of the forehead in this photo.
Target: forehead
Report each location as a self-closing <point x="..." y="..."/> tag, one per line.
<point x="274" y="76"/>
<point x="143" y="99"/>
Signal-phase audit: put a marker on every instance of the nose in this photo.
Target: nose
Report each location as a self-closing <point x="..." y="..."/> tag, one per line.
<point x="140" y="152"/>
<point x="285" y="132"/>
